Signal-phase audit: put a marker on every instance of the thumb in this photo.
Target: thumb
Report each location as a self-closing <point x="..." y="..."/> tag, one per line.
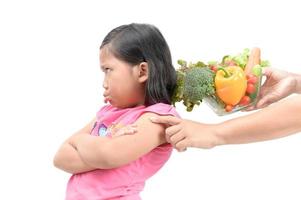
<point x="267" y="71"/>
<point x="169" y="120"/>
<point x="266" y="100"/>
<point x="261" y="103"/>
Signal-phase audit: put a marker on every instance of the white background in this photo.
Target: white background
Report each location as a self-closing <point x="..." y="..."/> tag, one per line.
<point x="50" y="85"/>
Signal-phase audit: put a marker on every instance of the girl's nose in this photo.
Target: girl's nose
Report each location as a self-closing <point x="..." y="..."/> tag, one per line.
<point x="105" y="85"/>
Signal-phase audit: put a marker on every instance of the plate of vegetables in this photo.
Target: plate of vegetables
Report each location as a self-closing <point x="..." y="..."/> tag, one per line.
<point x="226" y="86"/>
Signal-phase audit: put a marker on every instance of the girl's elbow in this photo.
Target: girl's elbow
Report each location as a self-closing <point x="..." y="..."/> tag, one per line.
<point x="56" y="161"/>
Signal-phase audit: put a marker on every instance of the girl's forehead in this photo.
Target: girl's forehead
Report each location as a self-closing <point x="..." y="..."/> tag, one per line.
<point x="106" y="57"/>
<point x="105" y="53"/>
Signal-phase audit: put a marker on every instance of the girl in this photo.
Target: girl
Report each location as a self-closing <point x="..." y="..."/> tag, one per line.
<point x="138" y="84"/>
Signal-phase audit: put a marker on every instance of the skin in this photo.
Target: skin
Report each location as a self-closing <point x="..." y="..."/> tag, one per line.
<point x="259" y="126"/>
<point x="124" y="87"/>
<point x="279" y="84"/>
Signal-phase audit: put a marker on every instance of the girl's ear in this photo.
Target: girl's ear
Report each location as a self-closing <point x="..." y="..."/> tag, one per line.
<point x="143" y="72"/>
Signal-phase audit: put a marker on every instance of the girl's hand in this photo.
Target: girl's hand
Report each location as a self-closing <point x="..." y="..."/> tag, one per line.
<point x="126" y="130"/>
<point x="185" y="133"/>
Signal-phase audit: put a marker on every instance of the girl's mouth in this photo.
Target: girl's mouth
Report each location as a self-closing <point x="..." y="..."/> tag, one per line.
<point x="107" y="99"/>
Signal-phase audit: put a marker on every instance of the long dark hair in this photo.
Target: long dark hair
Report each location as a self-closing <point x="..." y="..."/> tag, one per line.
<point x="136" y="43"/>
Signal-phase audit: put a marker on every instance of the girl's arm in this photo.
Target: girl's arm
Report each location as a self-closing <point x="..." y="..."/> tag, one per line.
<point x="67" y="157"/>
<point x="298" y="84"/>
<point x="106" y="153"/>
<point x="68" y="160"/>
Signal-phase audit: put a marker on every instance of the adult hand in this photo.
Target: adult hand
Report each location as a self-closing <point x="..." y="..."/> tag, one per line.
<point x="279" y="84"/>
<point x="183" y="133"/>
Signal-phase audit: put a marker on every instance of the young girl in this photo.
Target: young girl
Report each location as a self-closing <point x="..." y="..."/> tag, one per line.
<point x="138" y="84"/>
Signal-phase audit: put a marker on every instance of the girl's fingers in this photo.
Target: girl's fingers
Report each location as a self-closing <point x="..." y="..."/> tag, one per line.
<point x="133" y="125"/>
<point x="128" y="130"/>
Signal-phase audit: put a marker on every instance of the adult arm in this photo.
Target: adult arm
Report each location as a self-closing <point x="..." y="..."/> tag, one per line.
<point x="278" y="120"/>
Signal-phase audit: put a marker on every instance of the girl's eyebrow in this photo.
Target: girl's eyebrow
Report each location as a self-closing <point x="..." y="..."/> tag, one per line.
<point x="103" y="66"/>
<point x="106" y="66"/>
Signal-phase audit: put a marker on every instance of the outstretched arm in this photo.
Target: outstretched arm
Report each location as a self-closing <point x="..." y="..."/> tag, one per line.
<point x="106" y="153"/>
<point x="67" y="157"/>
<point x="278" y="120"/>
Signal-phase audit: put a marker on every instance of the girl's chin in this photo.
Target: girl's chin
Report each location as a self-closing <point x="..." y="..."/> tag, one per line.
<point x="112" y="103"/>
<point x="120" y="106"/>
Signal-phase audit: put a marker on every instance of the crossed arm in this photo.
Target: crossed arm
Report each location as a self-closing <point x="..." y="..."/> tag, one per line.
<point x="67" y="157"/>
<point x="83" y="152"/>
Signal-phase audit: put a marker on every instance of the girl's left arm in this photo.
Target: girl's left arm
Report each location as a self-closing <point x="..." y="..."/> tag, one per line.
<point x="67" y="157"/>
<point x="107" y="153"/>
<point x="68" y="160"/>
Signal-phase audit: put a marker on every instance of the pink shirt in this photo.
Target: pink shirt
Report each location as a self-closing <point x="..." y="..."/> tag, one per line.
<point x="124" y="182"/>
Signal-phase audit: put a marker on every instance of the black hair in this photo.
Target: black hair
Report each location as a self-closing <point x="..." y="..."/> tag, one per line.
<point x="136" y="43"/>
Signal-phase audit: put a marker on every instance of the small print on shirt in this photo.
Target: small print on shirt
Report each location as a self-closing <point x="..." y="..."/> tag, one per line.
<point x="102" y="131"/>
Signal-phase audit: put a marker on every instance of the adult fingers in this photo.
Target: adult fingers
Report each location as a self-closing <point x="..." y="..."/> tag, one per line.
<point x="182" y="145"/>
<point x="170" y="131"/>
<point x="176" y="138"/>
<point x="266" y="100"/>
<point x="169" y="120"/>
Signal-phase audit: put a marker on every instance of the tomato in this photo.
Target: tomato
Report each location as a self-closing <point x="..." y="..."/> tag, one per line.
<point x="250" y="88"/>
<point x="252" y="80"/>
<point x="245" y="100"/>
<point x="250" y="76"/>
<point x="230" y="63"/>
<point x="228" y="108"/>
<point x="213" y="68"/>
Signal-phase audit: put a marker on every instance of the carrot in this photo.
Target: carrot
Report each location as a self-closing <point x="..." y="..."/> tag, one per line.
<point x="254" y="59"/>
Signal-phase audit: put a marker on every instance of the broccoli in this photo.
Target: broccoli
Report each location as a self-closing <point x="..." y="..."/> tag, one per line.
<point x="193" y="84"/>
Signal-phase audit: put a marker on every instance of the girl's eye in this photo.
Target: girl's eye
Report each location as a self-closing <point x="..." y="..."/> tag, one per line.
<point x="106" y="69"/>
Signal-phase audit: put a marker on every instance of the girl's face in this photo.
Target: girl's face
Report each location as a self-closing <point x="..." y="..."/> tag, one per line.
<point x="124" y="84"/>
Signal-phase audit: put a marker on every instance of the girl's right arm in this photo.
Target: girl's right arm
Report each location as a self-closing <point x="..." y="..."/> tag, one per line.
<point x="67" y="157"/>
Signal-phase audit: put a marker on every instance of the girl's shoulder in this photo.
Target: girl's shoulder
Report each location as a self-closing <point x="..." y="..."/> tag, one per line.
<point x="158" y="108"/>
<point x="109" y="114"/>
<point x="162" y="109"/>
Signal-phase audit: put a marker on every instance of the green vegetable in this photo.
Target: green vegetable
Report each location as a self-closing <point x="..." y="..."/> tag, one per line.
<point x="193" y="84"/>
<point x="240" y="59"/>
<point x="257" y="70"/>
<point x="264" y="63"/>
<point x="182" y="63"/>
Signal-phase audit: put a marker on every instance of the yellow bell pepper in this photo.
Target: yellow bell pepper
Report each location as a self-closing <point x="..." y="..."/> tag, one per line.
<point x="230" y="84"/>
